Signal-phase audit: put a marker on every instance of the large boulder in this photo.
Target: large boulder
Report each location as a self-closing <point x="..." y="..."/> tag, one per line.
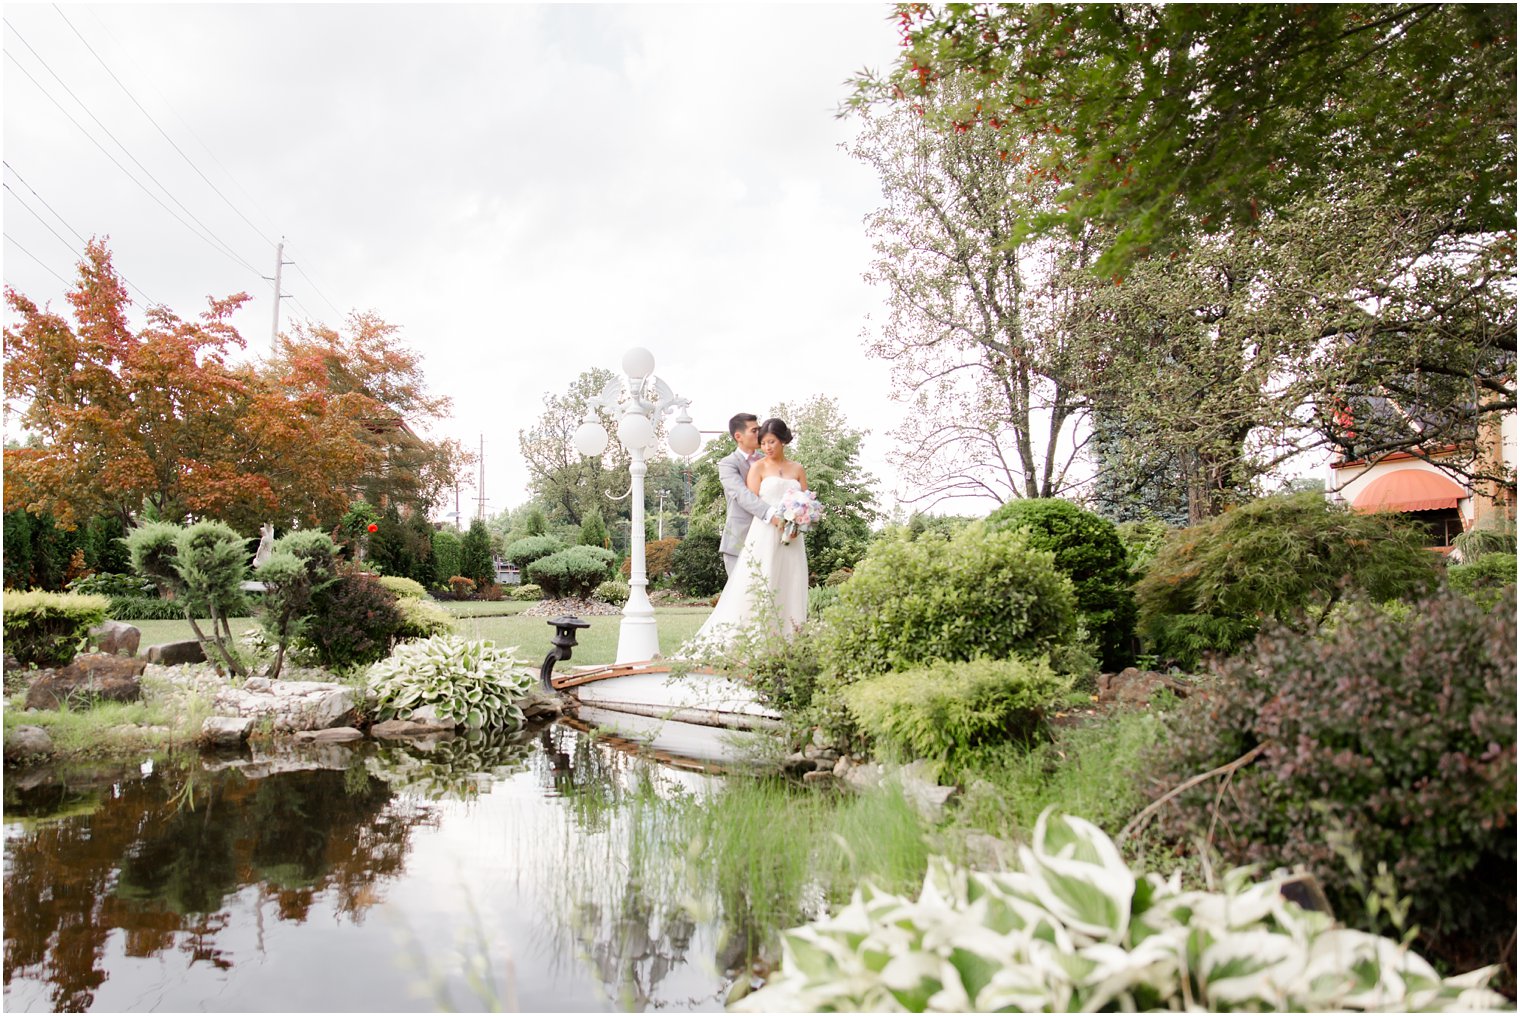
<point x="290" y="705"/>
<point x="116" y="638"/>
<point x="226" y="731"/>
<point x="91" y="676"/>
<point x="173" y="654"/>
<point x="24" y="743"/>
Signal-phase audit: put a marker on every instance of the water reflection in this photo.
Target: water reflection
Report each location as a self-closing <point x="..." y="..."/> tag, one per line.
<point x="482" y="873"/>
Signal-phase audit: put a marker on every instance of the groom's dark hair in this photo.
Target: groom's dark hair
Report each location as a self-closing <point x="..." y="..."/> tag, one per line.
<point x="739" y="421"/>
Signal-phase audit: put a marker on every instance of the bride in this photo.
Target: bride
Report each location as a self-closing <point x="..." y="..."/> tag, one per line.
<point x="771" y="577"/>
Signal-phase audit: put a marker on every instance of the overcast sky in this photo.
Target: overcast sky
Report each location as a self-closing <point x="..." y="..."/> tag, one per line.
<point x="526" y="191"/>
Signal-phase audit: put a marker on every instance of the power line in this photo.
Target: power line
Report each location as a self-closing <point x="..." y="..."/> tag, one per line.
<point x="212" y="239"/>
<point x="49" y="207"/>
<point x="37" y="259"/>
<point x="155" y="123"/>
<point x="308" y="278"/>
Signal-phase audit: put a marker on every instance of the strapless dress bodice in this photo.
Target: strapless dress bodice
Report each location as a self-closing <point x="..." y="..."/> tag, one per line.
<point x="774" y="488"/>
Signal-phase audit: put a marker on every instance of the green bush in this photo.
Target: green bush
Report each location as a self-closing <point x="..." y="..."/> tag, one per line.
<point x="1088" y="551"/>
<point x="470" y="682"/>
<point x="422" y="619"/>
<point x="144" y="608"/>
<point x="696" y="565"/>
<point x="475" y="559"/>
<point x="1475" y="544"/>
<point x="354" y="622"/>
<point x="203" y="566"/>
<point x="1398" y="734"/>
<point x="820" y="598"/>
<point x="1290" y="558"/>
<point x="301" y="565"/>
<point x="839" y="576"/>
<point x="525" y="551"/>
<point x="45" y="629"/>
<point x="594" y="530"/>
<point x="1485" y="579"/>
<point x="445" y="553"/>
<point x="404" y="588"/>
<point x="526" y="591"/>
<point x="613" y="591"/>
<point x="942" y="711"/>
<point x="1142" y="540"/>
<point x="574" y="571"/>
<point x="977" y="594"/>
<point x="107" y="584"/>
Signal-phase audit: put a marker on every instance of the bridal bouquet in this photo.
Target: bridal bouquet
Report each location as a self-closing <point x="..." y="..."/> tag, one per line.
<point x="799" y="511"/>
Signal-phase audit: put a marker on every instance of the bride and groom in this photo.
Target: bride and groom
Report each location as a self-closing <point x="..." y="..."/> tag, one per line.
<point x="765" y="572"/>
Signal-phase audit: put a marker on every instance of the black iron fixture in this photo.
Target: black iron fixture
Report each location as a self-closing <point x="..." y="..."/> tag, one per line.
<point x="563" y="641"/>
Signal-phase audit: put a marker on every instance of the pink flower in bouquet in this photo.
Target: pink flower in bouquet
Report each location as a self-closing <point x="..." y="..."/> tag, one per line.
<point x="800" y="510"/>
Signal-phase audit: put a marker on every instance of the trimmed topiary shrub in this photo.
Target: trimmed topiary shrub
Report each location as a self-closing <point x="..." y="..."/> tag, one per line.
<point x="575" y="571"/>
<point x="696" y="564"/>
<point x="404" y="588"/>
<point x="1290" y="558"/>
<point x="301" y="566"/>
<point x="977" y="594"/>
<point x="203" y="566"/>
<point x="1485" y="579"/>
<point x="525" y="551"/>
<point x="1088" y="551"/>
<point x="355" y="621"/>
<point x="45" y="629"/>
<point x="941" y="711"/>
<point x="526" y="591"/>
<point x="613" y="591"/>
<point x="1397" y="735"/>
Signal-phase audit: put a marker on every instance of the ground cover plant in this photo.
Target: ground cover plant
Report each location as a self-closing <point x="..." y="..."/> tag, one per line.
<point x="1393" y="737"/>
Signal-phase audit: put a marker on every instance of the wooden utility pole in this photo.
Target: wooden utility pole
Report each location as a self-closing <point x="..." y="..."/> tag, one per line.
<point x="279" y="263"/>
<point x="481" y="512"/>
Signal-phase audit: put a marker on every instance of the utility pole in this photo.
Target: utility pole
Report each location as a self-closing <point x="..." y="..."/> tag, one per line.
<point x="279" y="263"/>
<point x="481" y="512"/>
<point x="661" y="531"/>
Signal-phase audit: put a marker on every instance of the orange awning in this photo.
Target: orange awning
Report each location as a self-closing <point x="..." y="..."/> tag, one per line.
<point x="1409" y="490"/>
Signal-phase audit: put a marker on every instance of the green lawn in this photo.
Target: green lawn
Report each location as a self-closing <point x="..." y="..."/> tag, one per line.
<point x="502" y="623"/>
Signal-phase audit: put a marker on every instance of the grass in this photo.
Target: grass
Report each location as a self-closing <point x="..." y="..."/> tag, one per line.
<point x="106" y="728"/>
<point x="501" y="622"/>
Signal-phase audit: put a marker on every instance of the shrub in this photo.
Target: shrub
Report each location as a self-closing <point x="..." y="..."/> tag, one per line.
<point x="1290" y="558"/>
<point x="1485" y="579"/>
<point x="820" y="598"/>
<point x="941" y="711"/>
<point x="575" y="571"/>
<point x="300" y="566"/>
<point x="839" y="576"/>
<point x="1088" y="551"/>
<point x="470" y="682"/>
<point x="594" y="530"/>
<point x="1475" y="544"/>
<point x="659" y="559"/>
<point x="422" y="619"/>
<point x="475" y="559"/>
<point x="354" y="622"/>
<point x="1071" y="929"/>
<point x="612" y="591"/>
<point x="144" y="608"/>
<point x="696" y="565"/>
<point x="461" y="587"/>
<point x="404" y="588"/>
<point x="489" y="591"/>
<point x="45" y="629"/>
<point x="446" y="552"/>
<point x="1399" y="734"/>
<point x="978" y="594"/>
<point x="204" y="567"/>
<point x="1141" y="542"/>
<point x="106" y="584"/>
<point x="525" y="551"/>
<point x="527" y="591"/>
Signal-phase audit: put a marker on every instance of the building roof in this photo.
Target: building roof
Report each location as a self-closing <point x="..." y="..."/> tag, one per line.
<point x="1409" y="490"/>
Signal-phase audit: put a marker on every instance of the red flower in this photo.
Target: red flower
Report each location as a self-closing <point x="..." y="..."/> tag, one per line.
<point x="373" y="528"/>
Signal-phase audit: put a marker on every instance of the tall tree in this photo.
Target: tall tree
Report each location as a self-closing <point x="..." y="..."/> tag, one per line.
<point x="567" y="484"/>
<point x="1158" y="119"/>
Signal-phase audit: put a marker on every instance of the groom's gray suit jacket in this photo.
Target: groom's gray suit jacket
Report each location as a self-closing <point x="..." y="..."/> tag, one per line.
<point x="744" y="506"/>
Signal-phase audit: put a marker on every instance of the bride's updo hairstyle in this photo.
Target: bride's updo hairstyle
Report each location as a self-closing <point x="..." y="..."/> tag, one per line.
<point x="777" y="427"/>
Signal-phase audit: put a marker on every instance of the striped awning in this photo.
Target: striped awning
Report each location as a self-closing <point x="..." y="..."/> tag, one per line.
<point x="1409" y="490"/>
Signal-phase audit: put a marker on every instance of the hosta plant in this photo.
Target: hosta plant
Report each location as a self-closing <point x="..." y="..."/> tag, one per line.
<point x="1071" y="929"/>
<point x="471" y="682"/>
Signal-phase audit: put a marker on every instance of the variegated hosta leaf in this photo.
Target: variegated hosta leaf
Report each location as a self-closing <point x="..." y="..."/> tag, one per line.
<point x="470" y="682"/>
<point x="1066" y="933"/>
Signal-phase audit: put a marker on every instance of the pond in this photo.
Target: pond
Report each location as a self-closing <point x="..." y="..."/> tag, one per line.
<point x="547" y="872"/>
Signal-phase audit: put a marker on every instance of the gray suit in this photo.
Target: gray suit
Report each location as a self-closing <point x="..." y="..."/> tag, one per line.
<point x="744" y="506"/>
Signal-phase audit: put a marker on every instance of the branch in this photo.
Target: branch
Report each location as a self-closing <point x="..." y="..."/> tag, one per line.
<point x="1155" y="806"/>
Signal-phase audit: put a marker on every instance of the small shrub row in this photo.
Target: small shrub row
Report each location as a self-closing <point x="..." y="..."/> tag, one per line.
<point x="45" y="629"/>
<point x="1484" y="579"/>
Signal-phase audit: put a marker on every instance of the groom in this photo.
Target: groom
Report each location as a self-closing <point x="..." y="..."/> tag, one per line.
<point x="743" y="505"/>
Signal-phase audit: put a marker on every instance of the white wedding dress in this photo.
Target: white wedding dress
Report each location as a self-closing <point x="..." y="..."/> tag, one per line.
<point x="769" y="585"/>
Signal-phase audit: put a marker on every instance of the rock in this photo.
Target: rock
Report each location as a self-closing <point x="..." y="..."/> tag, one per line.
<point x="819" y="740"/>
<point x="331" y="735"/>
<point x="173" y="654"/>
<point x="391" y="730"/>
<point x="827" y="757"/>
<point x="819" y="776"/>
<point x="116" y="637"/>
<point x="226" y="731"/>
<point x="1134" y="687"/>
<point x="539" y="704"/>
<point x="843" y="766"/>
<point x="865" y="775"/>
<point x="986" y="852"/>
<point x="24" y="743"/>
<point x="798" y="764"/>
<point x="258" y="684"/>
<point x="91" y="676"/>
<point x="925" y="794"/>
<point x="291" y="705"/>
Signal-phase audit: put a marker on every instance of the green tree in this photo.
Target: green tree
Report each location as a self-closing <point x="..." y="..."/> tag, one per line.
<point x="829" y="449"/>
<point x="475" y="554"/>
<point x="446" y="551"/>
<point x="565" y="483"/>
<point x="1156" y="120"/>
<point x="594" y="529"/>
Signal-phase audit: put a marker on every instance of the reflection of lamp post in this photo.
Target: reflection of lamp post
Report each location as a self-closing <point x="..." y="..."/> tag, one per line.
<point x="638" y="400"/>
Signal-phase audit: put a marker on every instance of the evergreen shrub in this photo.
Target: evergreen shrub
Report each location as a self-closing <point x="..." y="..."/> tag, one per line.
<point x="445" y="554"/>
<point x="1088" y="551"/>
<point x="696" y="564"/>
<point x="613" y="591"/>
<point x="1475" y="544"/>
<point x="594" y="530"/>
<point x="1484" y="579"/>
<point x="355" y="620"/>
<point x="1396" y="734"/>
<point x="475" y="559"/>
<point x="575" y="571"/>
<point x="1290" y="558"/>
<point x="943" y="711"/>
<point x="422" y="619"/>
<point x="525" y="551"/>
<point x="527" y="591"/>
<point x="44" y="629"/>
<point x="403" y="588"/>
<point x="977" y="594"/>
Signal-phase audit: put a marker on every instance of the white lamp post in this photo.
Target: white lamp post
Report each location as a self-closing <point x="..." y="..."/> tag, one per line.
<point x="638" y="401"/>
